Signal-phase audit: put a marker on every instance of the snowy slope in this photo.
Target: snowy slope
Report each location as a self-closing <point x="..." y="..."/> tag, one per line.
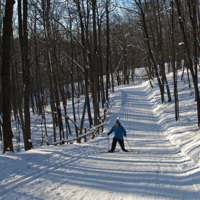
<point x="161" y="170"/>
<point x="184" y="133"/>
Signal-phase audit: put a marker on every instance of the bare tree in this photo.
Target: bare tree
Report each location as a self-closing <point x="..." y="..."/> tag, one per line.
<point x="139" y="4"/>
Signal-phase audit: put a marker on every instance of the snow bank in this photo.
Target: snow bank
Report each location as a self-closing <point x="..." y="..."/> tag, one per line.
<point x="184" y="133"/>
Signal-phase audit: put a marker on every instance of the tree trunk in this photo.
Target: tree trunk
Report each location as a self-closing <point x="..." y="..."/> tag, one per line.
<point x="173" y="63"/>
<point x="46" y="28"/>
<point x="189" y="61"/>
<point x="27" y="134"/>
<point x="84" y="44"/>
<point x="95" y="65"/>
<point x="38" y="80"/>
<point x="101" y="66"/>
<point x="108" y="48"/>
<point x="6" y="85"/>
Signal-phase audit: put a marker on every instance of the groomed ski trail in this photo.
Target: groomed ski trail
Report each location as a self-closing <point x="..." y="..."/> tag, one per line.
<point x="154" y="173"/>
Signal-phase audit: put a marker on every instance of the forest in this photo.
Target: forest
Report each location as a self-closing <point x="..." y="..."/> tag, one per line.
<point x="54" y="52"/>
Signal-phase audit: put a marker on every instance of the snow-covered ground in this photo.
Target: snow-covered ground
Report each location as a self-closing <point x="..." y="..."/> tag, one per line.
<point x="167" y="166"/>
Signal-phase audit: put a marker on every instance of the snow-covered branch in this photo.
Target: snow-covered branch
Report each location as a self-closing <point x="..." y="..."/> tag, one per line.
<point x="118" y="65"/>
<point x="74" y="62"/>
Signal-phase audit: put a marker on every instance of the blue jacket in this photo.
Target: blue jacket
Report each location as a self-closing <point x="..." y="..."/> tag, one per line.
<point x="119" y="132"/>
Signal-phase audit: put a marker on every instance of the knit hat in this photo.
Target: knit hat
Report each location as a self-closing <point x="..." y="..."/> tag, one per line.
<point x="117" y="122"/>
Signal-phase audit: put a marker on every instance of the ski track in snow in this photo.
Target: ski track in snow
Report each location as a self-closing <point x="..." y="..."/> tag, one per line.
<point x="76" y="172"/>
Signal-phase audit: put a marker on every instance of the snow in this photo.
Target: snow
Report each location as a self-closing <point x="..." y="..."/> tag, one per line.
<point x="167" y="166"/>
<point x="180" y="43"/>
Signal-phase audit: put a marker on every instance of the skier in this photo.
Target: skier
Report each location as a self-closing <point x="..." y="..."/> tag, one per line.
<point x="118" y="137"/>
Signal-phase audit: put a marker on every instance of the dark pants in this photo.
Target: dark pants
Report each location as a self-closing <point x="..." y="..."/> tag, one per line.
<point x="121" y="143"/>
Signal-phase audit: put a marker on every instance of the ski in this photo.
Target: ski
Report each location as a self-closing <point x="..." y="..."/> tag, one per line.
<point x="109" y="152"/>
<point x="130" y="151"/>
<point x="134" y="151"/>
<point x="118" y="151"/>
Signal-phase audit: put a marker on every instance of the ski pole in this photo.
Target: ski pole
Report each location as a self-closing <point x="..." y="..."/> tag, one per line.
<point x="129" y="144"/>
